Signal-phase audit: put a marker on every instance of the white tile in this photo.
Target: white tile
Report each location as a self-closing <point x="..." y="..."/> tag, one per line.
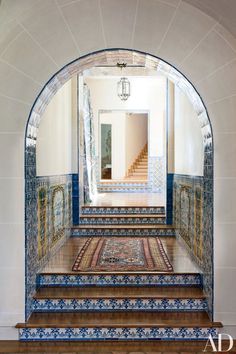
<point x="211" y="54"/>
<point x="225" y="288"/>
<point x="225" y="196"/>
<point x="11" y="161"/>
<point x="12" y="245"/>
<point x="23" y="89"/>
<point x="28" y="57"/>
<point x="222" y="115"/>
<point x="84" y="20"/>
<point x="188" y="27"/>
<point x="12" y="200"/>
<point x="225" y="152"/>
<point x="118" y="21"/>
<point x="153" y="18"/>
<point x="219" y="85"/>
<point x="63" y="2"/>
<point x="225" y="245"/>
<point x="14" y="114"/>
<point x="51" y="32"/>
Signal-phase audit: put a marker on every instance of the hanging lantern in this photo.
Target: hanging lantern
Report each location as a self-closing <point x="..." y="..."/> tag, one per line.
<point x="123" y="88"/>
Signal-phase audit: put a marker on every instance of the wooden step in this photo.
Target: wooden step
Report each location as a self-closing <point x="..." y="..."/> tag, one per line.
<point x="117" y="319"/>
<point x="96" y="292"/>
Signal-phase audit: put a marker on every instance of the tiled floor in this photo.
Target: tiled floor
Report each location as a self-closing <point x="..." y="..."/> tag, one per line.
<point x="128" y="199"/>
<point x="65" y="257"/>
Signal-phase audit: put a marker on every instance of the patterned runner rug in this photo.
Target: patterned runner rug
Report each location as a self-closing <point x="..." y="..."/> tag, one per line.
<point x="111" y="254"/>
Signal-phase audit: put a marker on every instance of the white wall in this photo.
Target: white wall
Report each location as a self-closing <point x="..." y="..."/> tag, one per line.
<point x="56" y="148"/>
<point x="136" y="136"/>
<point x="147" y="94"/>
<point x="117" y="120"/>
<point x="188" y="144"/>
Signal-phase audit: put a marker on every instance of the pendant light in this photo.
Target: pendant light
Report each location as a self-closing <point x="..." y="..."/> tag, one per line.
<point x="123" y="85"/>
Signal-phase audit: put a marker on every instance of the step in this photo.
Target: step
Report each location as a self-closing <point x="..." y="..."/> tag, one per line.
<point x="123" y="230"/>
<point x="119" y="279"/>
<point x="123" y="210"/>
<point x="118" y="299"/>
<point x="121" y="219"/>
<point x="118" y="326"/>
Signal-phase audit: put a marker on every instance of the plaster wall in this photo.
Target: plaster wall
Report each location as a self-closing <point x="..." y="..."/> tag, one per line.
<point x="32" y="51"/>
<point x="136" y="136"/>
<point x="188" y="142"/>
<point x="56" y="141"/>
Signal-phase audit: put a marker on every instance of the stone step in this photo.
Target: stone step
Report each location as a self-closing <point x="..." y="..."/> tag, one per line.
<point x="123" y="230"/>
<point x="118" y="326"/>
<point x="119" y="279"/>
<point x="121" y="219"/>
<point x="123" y="210"/>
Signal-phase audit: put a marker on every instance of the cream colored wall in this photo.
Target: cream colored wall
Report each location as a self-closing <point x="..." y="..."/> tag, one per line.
<point x="56" y="149"/>
<point x="136" y="136"/>
<point x="32" y="51"/>
<point x="188" y="143"/>
<point x="117" y="120"/>
<point x="147" y="94"/>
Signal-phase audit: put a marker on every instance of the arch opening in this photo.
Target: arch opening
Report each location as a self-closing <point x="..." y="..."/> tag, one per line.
<point x="182" y="193"/>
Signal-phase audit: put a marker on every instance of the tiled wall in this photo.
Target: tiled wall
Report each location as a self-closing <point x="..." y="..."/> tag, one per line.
<point x="48" y="219"/>
<point x="192" y="215"/>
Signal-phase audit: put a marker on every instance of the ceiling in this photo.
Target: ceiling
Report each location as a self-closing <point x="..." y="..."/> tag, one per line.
<point x="224" y="11"/>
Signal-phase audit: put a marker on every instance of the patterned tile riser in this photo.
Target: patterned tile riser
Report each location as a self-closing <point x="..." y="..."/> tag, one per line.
<point x="122" y="232"/>
<point x="119" y="280"/>
<point x="123" y="210"/>
<point x="120" y="221"/>
<point x="52" y="305"/>
<point x="138" y="333"/>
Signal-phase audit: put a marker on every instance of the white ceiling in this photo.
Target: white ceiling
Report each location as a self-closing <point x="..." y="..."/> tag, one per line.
<point x="224" y="11"/>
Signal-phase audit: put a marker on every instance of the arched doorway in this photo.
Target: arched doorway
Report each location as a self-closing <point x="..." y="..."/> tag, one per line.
<point x="36" y="199"/>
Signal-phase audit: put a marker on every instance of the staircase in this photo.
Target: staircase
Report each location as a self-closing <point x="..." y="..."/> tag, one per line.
<point x="139" y="169"/>
<point x="125" y="306"/>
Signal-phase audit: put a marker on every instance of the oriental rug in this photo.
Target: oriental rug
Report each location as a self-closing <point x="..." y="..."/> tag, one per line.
<point x="114" y="254"/>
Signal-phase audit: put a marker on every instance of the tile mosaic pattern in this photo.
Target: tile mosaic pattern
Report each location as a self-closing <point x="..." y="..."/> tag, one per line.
<point x="48" y="218"/>
<point x="51" y="305"/>
<point x="120" y="279"/>
<point x="157" y="174"/>
<point x="193" y="218"/>
<point x="80" y="231"/>
<point x="123" y="210"/>
<point x="121" y="221"/>
<point x="123" y="187"/>
<point x="123" y="333"/>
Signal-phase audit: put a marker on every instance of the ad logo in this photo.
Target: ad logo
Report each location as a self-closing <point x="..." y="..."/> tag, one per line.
<point x="218" y="348"/>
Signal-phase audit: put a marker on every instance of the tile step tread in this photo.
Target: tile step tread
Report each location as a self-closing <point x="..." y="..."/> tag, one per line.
<point x="117" y="319"/>
<point x="147" y="273"/>
<point x="121" y="293"/>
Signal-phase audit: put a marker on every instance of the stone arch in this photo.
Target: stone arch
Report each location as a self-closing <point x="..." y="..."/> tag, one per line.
<point x="111" y="56"/>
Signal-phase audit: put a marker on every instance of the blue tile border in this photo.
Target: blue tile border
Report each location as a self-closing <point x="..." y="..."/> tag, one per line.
<point x="171" y="279"/>
<point x="116" y="334"/>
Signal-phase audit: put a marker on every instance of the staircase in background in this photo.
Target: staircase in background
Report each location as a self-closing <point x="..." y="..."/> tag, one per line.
<point x="139" y="169"/>
<point x="119" y="306"/>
